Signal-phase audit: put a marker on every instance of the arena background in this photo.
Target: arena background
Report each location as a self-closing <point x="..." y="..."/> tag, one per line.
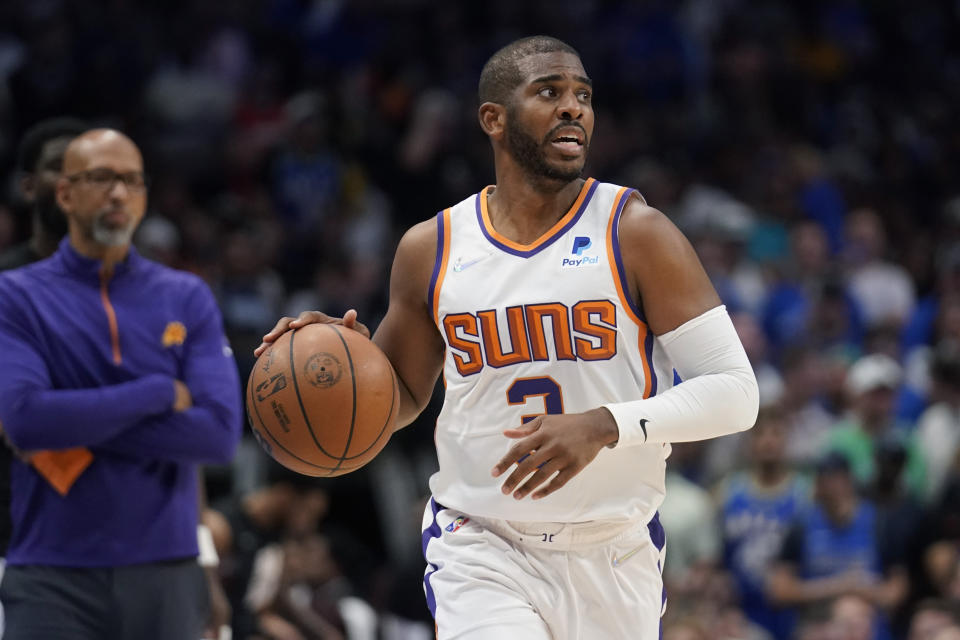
<point x="810" y="150"/>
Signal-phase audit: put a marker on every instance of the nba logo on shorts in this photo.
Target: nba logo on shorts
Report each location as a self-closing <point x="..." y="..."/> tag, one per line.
<point x="456" y="524"/>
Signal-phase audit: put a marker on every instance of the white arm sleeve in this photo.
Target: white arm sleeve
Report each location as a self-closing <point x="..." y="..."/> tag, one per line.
<point x="718" y="395"/>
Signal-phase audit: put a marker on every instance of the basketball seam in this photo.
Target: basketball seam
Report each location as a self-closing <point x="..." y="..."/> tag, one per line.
<point x="263" y="424"/>
<point x="393" y="401"/>
<point x="353" y="384"/>
<point x="303" y="410"/>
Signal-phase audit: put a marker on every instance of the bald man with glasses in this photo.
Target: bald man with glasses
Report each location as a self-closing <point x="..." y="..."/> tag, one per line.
<point x="117" y="382"/>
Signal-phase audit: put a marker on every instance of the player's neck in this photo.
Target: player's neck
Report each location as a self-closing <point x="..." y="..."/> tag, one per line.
<point x="523" y="210"/>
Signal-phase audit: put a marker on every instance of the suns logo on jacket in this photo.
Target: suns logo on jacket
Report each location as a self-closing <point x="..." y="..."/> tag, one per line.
<point x="174" y="334"/>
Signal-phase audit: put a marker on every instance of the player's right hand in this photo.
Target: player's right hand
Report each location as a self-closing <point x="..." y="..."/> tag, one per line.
<point x="349" y="320"/>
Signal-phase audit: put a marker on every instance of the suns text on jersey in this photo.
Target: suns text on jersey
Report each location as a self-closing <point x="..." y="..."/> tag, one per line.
<point x="586" y="330"/>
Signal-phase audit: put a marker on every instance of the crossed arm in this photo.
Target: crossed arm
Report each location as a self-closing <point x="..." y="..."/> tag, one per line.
<point x="154" y="416"/>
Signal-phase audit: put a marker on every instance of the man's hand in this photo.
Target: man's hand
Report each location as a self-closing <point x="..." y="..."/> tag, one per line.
<point x="182" y="400"/>
<point x="561" y="444"/>
<point x="285" y="324"/>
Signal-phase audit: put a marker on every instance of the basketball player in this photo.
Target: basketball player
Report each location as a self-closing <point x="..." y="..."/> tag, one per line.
<point x="556" y="308"/>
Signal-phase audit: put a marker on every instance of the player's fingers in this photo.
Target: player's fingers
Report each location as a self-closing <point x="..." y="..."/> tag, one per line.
<point x="544" y="471"/>
<point x="283" y="324"/>
<point x="525" y="429"/>
<point x="312" y="317"/>
<point x="557" y="482"/>
<point x="517" y="454"/>
<point x="350" y="322"/>
<point x="526" y="465"/>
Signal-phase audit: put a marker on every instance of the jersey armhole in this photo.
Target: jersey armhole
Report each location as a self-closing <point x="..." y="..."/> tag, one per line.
<point x="439" y="265"/>
<point x="619" y="274"/>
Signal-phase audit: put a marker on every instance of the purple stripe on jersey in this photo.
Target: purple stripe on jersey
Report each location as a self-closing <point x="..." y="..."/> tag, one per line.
<point x="659" y="539"/>
<point x="622" y="274"/>
<point x="621" y="271"/>
<point x="428" y="591"/>
<point x="430" y="533"/>
<point x="657" y="535"/>
<point x="547" y="243"/>
<point x="433" y="531"/>
<point x="437" y="262"/>
<point x="648" y="347"/>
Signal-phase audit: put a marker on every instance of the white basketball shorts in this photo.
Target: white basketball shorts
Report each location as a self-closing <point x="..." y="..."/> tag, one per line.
<point x="497" y="580"/>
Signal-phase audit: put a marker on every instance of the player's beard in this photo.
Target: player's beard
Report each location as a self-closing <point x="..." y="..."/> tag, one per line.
<point x="111" y="236"/>
<point x="51" y="217"/>
<point x="530" y="154"/>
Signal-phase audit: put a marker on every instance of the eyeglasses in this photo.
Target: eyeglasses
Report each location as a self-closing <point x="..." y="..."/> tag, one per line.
<point x="103" y="179"/>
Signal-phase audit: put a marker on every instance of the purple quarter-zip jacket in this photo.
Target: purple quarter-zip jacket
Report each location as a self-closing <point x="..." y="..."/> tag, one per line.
<point x="88" y="360"/>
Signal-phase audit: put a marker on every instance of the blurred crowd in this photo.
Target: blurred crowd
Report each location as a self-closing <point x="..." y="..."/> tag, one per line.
<point x="809" y="150"/>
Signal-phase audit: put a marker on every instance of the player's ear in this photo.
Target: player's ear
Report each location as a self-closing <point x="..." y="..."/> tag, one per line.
<point x="64" y="195"/>
<point x="492" y="118"/>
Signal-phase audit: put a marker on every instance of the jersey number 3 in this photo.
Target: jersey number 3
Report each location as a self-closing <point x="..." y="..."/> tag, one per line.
<point x="544" y="387"/>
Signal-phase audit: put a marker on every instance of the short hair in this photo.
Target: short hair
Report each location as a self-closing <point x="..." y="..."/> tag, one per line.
<point x="33" y="140"/>
<point x="501" y="73"/>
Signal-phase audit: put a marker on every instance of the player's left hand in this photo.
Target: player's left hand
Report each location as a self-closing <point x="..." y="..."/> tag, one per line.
<point x="555" y="448"/>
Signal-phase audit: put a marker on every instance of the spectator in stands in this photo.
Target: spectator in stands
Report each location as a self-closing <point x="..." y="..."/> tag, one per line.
<point x="835" y="549"/>
<point x="938" y="429"/>
<point x="758" y="507"/>
<point x="872" y="382"/>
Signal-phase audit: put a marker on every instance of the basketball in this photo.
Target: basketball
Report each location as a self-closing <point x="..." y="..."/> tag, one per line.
<point x="322" y="400"/>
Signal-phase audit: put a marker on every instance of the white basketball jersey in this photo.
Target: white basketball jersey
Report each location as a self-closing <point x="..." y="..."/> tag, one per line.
<point x="547" y="327"/>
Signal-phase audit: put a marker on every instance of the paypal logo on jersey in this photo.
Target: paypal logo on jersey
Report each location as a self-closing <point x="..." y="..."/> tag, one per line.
<point x="580" y="244"/>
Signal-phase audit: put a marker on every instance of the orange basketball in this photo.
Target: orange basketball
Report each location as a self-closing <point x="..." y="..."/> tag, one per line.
<point x="322" y="400"/>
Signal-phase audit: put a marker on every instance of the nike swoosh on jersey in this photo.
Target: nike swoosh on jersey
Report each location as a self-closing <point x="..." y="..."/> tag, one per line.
<point x="460" y="265"/>
<point x="643" y="425"/>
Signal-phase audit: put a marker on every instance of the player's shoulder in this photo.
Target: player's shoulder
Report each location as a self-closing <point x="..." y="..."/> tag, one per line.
<point x="26" y="275"/>
<point x="647" y="231"/>
<point x="424" y="231"/>
<point x="640" y="218"/>
<point x="419" y="242"/>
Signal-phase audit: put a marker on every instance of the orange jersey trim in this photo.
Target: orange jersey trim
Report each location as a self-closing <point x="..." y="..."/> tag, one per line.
<point x="625" y="301"/>
<point x="444" y="252"/>
<point x="111" y="319"/>
<point x="553" y="231"/>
